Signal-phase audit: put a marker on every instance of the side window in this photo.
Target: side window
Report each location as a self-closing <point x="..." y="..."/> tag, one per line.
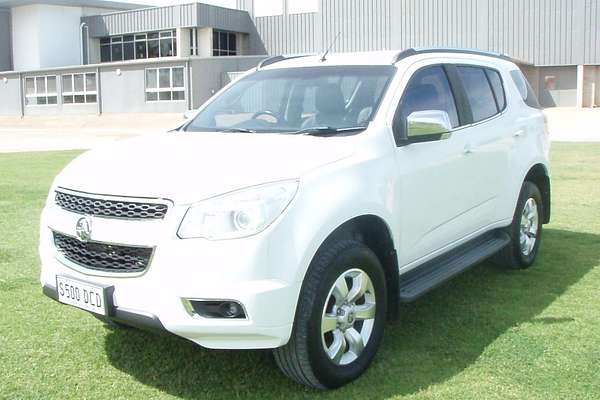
<point x="479" y="92"/>
<point x="525" y="89"/>
<point x="496" y="82"/>
<point x="427" y="90"/>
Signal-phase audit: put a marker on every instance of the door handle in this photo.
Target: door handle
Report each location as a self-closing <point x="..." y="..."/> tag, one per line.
<point x="519" y="133"/>
<point x="467" y="149"/>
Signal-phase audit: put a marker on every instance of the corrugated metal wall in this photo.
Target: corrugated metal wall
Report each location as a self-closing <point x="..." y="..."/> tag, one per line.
<point x="434" y="23"/>
<point x="592" y="32"/>
<point x="362" y="24"/>
<point x="542" y="32"/>
<point x="293" y="33"/>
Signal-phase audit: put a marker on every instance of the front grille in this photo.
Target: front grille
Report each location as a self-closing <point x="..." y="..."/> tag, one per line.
<point x="102" y="256"/>
<point x="110" y="208"/>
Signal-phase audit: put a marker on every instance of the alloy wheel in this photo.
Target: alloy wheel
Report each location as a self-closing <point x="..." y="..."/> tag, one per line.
<point x="348" y="316"/>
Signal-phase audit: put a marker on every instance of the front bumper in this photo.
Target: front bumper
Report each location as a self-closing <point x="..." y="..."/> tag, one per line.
<point x="245" y="270"/>
<point x="120" y="315"/>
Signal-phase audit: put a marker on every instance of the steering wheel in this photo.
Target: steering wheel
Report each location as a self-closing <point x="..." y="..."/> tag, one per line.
<point x="267" y="113"/>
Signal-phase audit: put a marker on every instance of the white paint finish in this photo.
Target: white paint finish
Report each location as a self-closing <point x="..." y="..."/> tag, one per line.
<point x="419" y="191"/>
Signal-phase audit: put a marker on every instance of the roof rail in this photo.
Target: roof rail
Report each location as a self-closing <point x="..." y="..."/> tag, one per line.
<point x="276" y="59"/>
<point x="414" y="51"/>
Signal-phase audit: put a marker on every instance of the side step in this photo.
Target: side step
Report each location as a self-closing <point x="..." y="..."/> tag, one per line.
<point x="433" y="273"/>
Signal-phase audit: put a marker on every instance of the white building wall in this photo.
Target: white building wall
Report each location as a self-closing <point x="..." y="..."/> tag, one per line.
<point x="60" y="38"/>
<point x="46" y="36"/>
<point x="25" y="37"/>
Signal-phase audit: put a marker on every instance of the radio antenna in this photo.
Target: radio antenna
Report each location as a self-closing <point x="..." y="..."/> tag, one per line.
<point x="324" y="57"/>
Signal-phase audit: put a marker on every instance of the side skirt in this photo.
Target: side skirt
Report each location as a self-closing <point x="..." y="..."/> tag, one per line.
<point x="433" y="273"/>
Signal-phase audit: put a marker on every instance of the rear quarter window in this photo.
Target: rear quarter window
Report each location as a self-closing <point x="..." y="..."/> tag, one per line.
<point x="497" y="88"/>
<point x="479" y="92"/>
<point x="525" y="89"/>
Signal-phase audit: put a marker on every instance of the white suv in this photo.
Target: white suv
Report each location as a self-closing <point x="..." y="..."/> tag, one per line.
<point x="305" y="201"/>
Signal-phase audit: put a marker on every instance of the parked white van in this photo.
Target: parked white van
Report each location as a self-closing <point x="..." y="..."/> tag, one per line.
<point x="304" y="202"/>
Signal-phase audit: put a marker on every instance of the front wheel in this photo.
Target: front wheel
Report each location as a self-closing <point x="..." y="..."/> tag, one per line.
<point x="525" y="231"/>
<point x="340" y="317"/>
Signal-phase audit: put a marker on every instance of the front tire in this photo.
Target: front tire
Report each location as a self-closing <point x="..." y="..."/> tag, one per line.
<point x="339" y="319"/>
<point x="525" y="231"/>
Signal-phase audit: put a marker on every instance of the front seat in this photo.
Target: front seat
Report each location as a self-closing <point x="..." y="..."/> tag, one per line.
<point x="330" y="107"/>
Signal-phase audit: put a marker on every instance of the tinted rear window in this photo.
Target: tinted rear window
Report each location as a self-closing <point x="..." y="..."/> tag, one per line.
<point x="496" y="82"/>
<point x="479" y="93"/>
<point x="525" y="89"/>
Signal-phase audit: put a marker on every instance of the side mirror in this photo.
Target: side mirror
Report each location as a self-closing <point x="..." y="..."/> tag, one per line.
<point x="189" y="114"/>
<point x="427" y="125"/>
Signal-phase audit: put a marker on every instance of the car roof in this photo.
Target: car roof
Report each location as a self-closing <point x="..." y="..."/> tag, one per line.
<point x="388" y="57"/>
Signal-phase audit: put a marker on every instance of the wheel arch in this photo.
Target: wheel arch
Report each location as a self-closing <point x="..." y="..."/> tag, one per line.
<point x="375" y="233"/>
<point x="538" y="174"/>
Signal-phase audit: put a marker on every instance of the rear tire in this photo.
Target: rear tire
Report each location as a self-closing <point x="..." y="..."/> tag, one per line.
<point x="525" y="231"/>
<point x="339" y="319"/>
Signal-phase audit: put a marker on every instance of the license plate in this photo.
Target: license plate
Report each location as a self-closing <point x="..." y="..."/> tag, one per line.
<point x="83" y="295"/>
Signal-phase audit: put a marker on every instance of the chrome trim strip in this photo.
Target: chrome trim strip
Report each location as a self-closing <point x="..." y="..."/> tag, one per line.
<point x="190" y="309"/>
<point x="148" y="200"/>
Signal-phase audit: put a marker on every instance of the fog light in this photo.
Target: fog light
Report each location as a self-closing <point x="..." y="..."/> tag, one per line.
<point x="228" y="309"/>
<point x="231" y="310"/>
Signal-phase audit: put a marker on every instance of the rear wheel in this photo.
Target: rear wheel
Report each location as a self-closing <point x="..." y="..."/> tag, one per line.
<point x="525" y="230"/>
<point x="340" y="317"/>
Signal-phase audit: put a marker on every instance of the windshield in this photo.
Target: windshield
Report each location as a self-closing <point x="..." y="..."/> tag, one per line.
<point x="297" y="100"/>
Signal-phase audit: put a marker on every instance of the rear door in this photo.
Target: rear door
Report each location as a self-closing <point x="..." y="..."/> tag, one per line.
<point x="487" y="143"/>
<point x="449" y="185"/>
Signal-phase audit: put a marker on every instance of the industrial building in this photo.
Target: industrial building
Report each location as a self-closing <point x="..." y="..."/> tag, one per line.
<point x="95" y="56"/>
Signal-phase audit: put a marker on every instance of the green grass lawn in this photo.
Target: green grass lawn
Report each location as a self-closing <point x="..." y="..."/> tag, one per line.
<point x="489" y="334"/>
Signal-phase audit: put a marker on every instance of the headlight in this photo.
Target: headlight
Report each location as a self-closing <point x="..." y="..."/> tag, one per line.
<point x="237" y="214"/>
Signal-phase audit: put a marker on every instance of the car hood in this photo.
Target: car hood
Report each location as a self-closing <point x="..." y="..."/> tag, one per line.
<point x="188" y="167"/>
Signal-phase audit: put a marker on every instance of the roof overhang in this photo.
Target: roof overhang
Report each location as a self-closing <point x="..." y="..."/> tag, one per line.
<point x="107" y="4"/>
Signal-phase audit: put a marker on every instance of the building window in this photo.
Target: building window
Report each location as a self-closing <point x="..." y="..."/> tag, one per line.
<point x="165" y="84"/>
<point x="40" y="90"/>
<point x="224" y="43"/>
<point x="139" y="46"/>
<point x="79" y="88"/>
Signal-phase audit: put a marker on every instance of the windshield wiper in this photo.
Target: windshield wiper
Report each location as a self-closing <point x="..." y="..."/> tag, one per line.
<point x="237" y="130"/>
<point x="327" y="130"/>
